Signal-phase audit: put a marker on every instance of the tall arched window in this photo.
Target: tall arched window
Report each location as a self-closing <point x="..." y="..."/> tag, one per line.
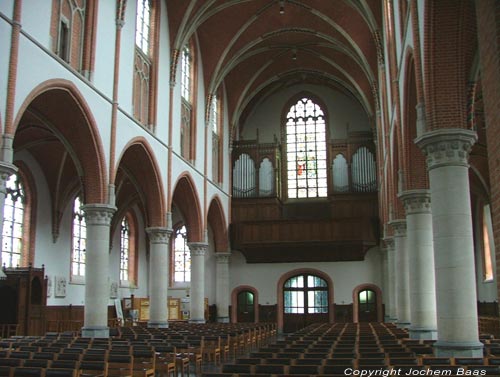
<point x="79" y="241"/>
<point x="144" y="62"/>
<point x="124" y="250"/>
<point x="306" y="150"/>
<point x="216" y="125"/>
<point x="182" y="257"/>
<point x="187" y="100"/>
<point x="12" y="241"/>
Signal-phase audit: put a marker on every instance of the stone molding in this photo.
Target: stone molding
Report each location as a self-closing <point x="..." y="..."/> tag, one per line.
<point x="159" y="235"/>
<point x="399" y="227"/>
<point x="389" y="243"/>
<point x="416" y="201"/>
<point x="197" y="248"/>
<point x="223" y="258"/>
<point x="98" y="214"/>
<point x="447" y="147"/>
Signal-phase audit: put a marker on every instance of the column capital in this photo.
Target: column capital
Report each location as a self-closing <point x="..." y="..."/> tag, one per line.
<point x="197" y="248"/>
<point x="159" y="235"/>
<point x="399" y="227"/>
<point x="389" y="243"/>
<point x="223" y="258"/>
<point x="447" y="147"/>
<point x="416" y="201"/>
<point x="98" y="214"/>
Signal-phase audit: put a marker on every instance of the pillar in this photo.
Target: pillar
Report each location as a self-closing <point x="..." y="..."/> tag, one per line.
<point x="421" y="259"/>
<point x="98" y="219"/>
<point x="158" y="276"/>
<point x="198" y="250"/>
<point x="391" y="280"/>
<point x="402" y="273"/>
<point x="222" y="286"/>
<point x="6" y="170"/>
<point x="447" y="153"/>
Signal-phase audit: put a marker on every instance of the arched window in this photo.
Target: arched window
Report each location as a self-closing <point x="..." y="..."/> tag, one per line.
<point x="216" y="125"/>
<point x="144" y="67"/>
<point x="124" y="250"/>
<point x="182" y="257"/>
<point x="488" y="244"/>
<point x="79" y="244"/>
<point x="12" y="241"/>
<point x="305" y="294"/>
<point x="187" y="101"/>
<point x="306" y="150"/>
<point x="367" y="301"/>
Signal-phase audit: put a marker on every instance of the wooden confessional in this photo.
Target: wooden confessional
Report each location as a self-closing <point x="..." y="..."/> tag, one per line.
<point x="23" y="297"/>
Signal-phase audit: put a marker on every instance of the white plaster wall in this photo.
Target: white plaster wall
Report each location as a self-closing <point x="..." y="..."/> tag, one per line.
<point x="35" y="20"/>
<point x="105" y="47"/>
<point x="343" y="114"/>
<point x="7" y="8"/>
<point x="5" y="30"/>
<point x="345" y="275"/>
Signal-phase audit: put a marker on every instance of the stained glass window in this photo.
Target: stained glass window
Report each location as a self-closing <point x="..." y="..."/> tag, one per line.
<point x="306" y="150"/>
<point x="79" y="240"/>
<point x="305" y="294"/>
<point x="182" y="257"/>
<point x="12" y="241"/>
<point x="124" y="250"/>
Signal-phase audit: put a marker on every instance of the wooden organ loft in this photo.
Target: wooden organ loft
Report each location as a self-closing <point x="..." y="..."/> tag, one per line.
<point x="266" y="227"/>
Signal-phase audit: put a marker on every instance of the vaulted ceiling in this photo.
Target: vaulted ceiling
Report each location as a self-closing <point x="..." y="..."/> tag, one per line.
<point x="256" y="47"/>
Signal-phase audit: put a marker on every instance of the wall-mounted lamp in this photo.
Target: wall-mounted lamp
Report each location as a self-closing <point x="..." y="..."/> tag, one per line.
<point x="282" y="7"/>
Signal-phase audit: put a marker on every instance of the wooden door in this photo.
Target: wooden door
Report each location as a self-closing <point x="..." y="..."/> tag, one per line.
<point x="246" y="311"/>
<point x="367" y="308"/>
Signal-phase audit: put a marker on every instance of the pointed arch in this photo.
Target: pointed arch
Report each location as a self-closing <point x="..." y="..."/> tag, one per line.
<point x="141" y="167"/>
<point x="217" y="221"/>
<point x="75" y="128"/>
<point x="186" y="199"/>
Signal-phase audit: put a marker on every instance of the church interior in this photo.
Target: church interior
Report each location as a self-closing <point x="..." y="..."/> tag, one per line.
<point x="255" y="176"/>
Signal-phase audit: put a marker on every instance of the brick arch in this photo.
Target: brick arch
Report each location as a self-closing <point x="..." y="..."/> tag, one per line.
<point x="414" y="161"/>
<point x="449" y="46"/>
<point x="140" y="162"/>
<point x="355" y="301"/>
<point x="234" y="302"/>
<point x="217" y="221"/>
<point x="83" y="137"/>
<point x="186" y="200"/>
<point x="300" y="271"/>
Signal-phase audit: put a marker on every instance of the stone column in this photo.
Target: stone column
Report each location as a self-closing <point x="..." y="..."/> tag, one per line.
<point x="198" y="250"/>
<point x="402" y="273"/>
<point x="158" y="276"/>
<point x="6" y="170"/>
<point x="447" y="153"/>
<point x="421" y="260"/>
<point x="391" y="280"/>
<point x="222" y="286"/>
<point x="98" y="219"/>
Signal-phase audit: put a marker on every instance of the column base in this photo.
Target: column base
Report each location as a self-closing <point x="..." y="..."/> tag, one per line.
<point x="95" y="332"/>
<point x="392" y="319"/>
<point x="158" y="324"/>
<point x="193" y="320"/>
<point x="423" y="333"/>
<point x="458" y="349"/>
<point x="403" y="325"/>
<point x="223" y="319"/>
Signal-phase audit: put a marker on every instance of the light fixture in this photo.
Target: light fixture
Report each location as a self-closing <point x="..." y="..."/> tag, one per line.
<point x="282" y="7"/>
<point x="294" y="54"/>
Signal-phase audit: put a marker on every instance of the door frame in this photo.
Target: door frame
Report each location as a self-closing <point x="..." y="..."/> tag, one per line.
<point x="234" y="302"/>
<point x="355" y="301"/>
<point x="301" y="271"/>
